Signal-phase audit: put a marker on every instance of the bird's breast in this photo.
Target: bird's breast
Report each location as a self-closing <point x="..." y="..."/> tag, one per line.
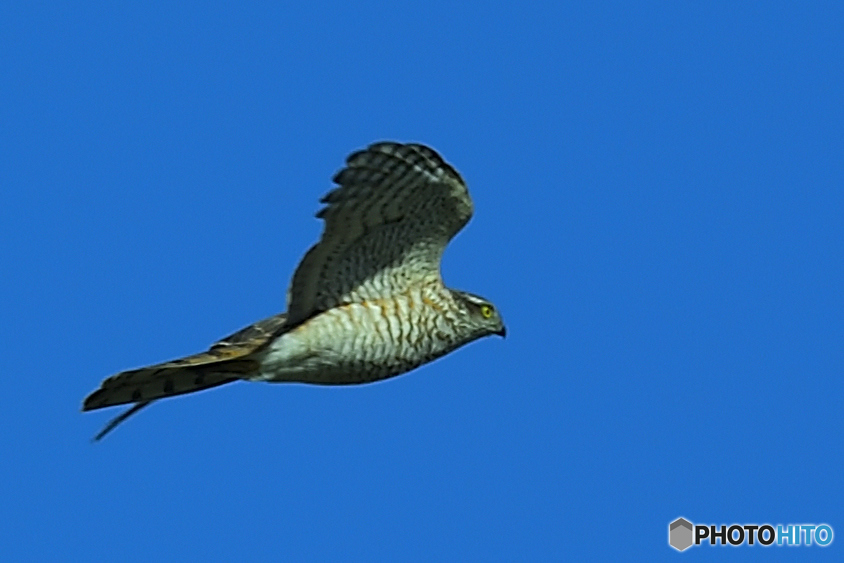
<point x="366" y="341"/>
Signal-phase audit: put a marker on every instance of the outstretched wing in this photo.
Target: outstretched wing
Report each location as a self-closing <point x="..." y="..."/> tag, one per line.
<point x="386" y="227"/>
<point x="222" y="363"/>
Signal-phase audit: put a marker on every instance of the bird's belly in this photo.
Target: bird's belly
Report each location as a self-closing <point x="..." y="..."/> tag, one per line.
<point x="356" y="343"/>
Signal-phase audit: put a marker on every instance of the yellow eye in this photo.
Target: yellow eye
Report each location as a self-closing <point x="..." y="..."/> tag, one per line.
<point x="486" y="311"/>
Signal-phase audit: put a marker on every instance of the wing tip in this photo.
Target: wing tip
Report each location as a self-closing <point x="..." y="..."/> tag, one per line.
<point x="114" y="422"/>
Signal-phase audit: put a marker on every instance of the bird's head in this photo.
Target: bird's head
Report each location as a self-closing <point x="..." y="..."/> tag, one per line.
<point x="481" y="315"/>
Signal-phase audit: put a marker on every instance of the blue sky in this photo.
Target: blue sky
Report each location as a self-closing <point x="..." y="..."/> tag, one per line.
<point x="658" y="197"/>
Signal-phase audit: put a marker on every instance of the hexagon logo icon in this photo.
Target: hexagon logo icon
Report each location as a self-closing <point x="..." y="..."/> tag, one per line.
<point x="680" y="534"/>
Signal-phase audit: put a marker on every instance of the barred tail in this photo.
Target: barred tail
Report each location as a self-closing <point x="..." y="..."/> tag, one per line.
<point x="145" y="385"/>
<point x="148" y="384"/>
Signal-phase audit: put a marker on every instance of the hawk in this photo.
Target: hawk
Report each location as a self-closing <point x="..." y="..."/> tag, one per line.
<point x="366" y="302"/>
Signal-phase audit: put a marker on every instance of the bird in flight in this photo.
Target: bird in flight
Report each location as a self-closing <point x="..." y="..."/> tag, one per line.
<point x="366" y="302"/>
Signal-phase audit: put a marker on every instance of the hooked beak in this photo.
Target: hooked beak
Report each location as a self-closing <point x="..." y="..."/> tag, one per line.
<point x="503" y="332"/>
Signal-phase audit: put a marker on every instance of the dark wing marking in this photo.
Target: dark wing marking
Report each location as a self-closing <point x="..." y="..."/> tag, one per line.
<point x="386" y="226"/>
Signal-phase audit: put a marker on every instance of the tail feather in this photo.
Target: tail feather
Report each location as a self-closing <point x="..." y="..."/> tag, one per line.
<point x="149" y="384"/>
<point x="145" y="385"/>
<point x="226" y="361"/>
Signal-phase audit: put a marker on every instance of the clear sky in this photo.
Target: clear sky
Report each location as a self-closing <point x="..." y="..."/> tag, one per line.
<point x="658" y="216"/>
